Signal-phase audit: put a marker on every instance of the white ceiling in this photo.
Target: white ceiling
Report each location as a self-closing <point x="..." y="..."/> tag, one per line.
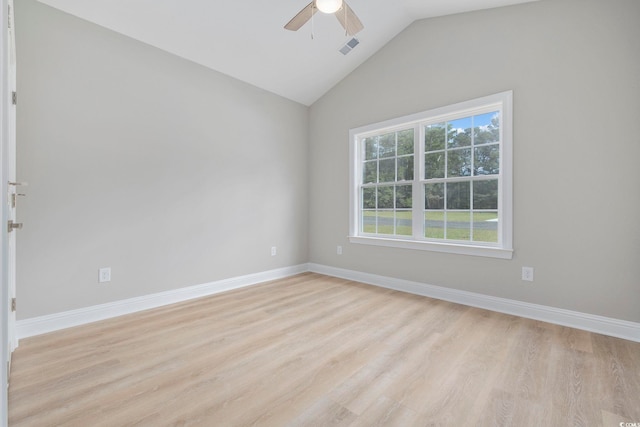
<point x="246" y="39"/>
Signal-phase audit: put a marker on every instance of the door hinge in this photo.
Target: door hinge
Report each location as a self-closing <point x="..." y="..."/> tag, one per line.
<point x="14" y="98"/>
<point x="13" y="304"/>
<point x="13" y="226"/>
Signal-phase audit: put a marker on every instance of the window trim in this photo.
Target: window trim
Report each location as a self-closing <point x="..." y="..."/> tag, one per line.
<point x="503" y="101"/>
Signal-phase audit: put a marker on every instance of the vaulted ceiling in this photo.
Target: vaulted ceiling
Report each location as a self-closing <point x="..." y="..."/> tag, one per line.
<point x="246" y="39"/>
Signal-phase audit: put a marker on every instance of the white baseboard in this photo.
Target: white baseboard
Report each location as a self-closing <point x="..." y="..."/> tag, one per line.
<point x="588" y="322"/>
<point x="53" y="322"/>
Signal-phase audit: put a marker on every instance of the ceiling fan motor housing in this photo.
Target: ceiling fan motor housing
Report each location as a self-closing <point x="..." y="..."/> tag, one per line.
<point x="328" y="6"/>
<point x="347" y="19"/>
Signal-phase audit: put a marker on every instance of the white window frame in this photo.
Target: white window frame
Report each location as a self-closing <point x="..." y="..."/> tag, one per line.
<point x="502" y="102"/>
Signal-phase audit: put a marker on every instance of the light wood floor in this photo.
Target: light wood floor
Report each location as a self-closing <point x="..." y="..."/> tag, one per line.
<point x="315" y="350"/>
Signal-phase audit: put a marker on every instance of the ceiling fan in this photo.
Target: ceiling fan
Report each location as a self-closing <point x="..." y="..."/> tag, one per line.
<point x="340" y="8"/>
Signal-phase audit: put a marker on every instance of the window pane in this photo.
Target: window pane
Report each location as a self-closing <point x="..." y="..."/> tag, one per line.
<point x="370" y="172"/>
<point x="434" y="165"/>
<point x="434" y="225"/>
<point x="403" y="197"/>
<point x="385" y="197"/>
<point x="370" y="148"/>
<point x="485" y="194"/>
<point x="405" y="142"/>
<point x="459" y="225"/>
<point x="486" y="128"/>
<point x="403" y="223"/>
<point x="487" y="160"/>
<point x="388" y="170"/>
<point x="485" y="227"/>
<point x="385" y="222"/>
<point x="434" y="196"/>
<point x="459" y="162"/>
<point x="387" y="145"/>
<point x="458" y="195"/>
<point x="405" y="168"/>
<point x="434" y="137"/>
<point x="459" y="132"/>
<point x="369" y="198"/>
<point x="369" y="221"/>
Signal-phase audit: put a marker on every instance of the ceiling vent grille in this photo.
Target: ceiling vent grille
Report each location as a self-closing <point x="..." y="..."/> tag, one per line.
<point x="349" y="46"/>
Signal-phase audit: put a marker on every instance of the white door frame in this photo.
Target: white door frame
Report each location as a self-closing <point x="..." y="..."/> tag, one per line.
<point x="7" y="328"/>
<point x="10" y="164"/>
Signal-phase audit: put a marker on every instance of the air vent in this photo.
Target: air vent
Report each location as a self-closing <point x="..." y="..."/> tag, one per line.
<point x="349" y="46"/>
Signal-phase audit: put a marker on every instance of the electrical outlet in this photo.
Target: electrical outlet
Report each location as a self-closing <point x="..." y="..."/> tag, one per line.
<point x="104" y="275"/>
<point x="274" y="251"/>
<point x="339" y="250"/>
<point x="527" y="274"/>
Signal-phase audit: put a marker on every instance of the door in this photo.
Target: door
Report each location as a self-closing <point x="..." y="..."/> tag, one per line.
<point x="14" y="188"/>
<point x="10" y="190"/>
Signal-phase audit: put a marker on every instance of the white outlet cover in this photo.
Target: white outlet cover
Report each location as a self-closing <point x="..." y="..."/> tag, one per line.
<point x="527" y="274"/>
<point x="104" y="275"/>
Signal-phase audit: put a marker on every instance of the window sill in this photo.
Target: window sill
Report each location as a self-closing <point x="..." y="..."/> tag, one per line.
<point x="482" y="251"/>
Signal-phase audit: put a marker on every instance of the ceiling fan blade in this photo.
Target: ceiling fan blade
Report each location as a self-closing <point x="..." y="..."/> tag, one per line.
<point x="302" y="17"/>
<point x="349" y="20"/>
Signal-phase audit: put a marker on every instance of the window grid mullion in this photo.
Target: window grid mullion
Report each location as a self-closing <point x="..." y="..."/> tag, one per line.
<point x="377" y="181"/>
<point x="418" y="230"/>
<point x="395" y="172"/>
<point x="473" y="169"/>
<point x="445" y="223"/>
<point x="471" y="222"/>
<point x="393" y="209"/>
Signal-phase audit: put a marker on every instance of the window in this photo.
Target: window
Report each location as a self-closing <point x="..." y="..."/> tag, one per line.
<point x="438" y="180"/>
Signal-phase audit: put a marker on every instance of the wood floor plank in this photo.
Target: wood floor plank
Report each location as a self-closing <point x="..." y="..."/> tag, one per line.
<point x="313" y="350"/>
<point x="525" y="372"/>
<point x="325" y="412"/>
<point x="389" y="413"/>
<point x="619" y="375"/>
<point x="573" y="389"/>
<point x="499" y="409"/>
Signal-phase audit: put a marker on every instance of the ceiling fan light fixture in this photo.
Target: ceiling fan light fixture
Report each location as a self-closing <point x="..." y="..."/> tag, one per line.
<point x="328" y="6"/>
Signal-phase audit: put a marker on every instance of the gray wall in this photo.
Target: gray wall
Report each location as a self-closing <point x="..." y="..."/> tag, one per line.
<point x="167" y="172"/>
<point x="574" y="69"/>
<point x="175" y="175"/>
